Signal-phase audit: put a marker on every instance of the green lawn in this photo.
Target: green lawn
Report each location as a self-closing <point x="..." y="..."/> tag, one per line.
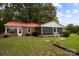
<point x="70" y="42"/>
<point x="28" y="45"/>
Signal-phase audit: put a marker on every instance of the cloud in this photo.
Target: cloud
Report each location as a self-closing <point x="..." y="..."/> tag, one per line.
<point x="68" y="15"/>
<point x="75" y="4"/>
<point x="75" y="11"/>
<point x="67" y="11"/>
<point x="59" y="14"/>
<point x="57" y="5"/>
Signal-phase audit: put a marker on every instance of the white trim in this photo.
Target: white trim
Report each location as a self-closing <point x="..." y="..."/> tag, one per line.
<point x="56" y="32"/>
<point x="5" y="30"/>
<point x="53" y="30"/>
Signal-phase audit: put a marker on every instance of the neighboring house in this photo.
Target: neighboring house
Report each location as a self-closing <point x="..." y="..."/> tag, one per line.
<point x="19" y="28"/>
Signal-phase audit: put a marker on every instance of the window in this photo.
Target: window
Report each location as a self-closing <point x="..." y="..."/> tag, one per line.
<point x="11" y="30"/>
<point x="29" y="30"/>
<point x="47" y="30"/>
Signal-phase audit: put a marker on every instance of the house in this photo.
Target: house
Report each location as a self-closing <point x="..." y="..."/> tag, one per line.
<point x="19" y="28"/>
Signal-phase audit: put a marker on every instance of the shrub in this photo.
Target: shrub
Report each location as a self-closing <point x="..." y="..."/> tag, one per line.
<point x="78" y="32"/>
<point x="66" y="34"/>
<point x="28" y="34"/>
<point x="35" y="34"/>
<point x="5" y="35"/>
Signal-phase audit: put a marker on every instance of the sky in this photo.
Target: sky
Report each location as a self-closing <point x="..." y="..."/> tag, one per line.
<point x="68" y="13"/>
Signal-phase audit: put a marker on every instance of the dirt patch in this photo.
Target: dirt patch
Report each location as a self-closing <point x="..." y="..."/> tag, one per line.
<point x="61" y="38"/>
<point x="47" y="40"/>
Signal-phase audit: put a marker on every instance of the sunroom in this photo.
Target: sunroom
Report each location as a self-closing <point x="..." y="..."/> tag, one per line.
<point x="51" y="28"/>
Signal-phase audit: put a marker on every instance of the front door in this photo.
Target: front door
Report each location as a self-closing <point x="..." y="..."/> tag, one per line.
<point x="55" y="31"/>
<point x="19" y="32"/>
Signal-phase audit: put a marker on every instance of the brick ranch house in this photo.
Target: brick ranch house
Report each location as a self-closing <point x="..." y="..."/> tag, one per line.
<point x="19" y="28"/>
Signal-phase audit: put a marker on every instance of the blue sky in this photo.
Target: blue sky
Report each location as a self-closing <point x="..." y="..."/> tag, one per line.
<point x="68" y="13"/>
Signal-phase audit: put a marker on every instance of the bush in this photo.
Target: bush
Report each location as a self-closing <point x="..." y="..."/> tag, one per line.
<point x="35" y="34"/>
<point x="6" y="35"/>
<point x="28" y="34"/>
<point x="66" y="34"/>
<point x="78" y="32"/>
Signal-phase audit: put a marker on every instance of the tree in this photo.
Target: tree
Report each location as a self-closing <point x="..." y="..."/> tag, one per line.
<point x="1" y="27"/>
<point x="76" y="28"/>
<point x="72" y="28"/>
<point x="28" y="12"/>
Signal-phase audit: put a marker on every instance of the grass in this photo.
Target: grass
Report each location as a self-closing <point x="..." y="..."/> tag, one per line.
<point x="71" y="42"/>
<point x="28" y="45"/>
<point x="22" y="46"/>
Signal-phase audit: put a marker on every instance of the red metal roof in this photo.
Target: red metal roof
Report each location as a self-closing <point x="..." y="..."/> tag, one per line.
<point x="16" y="24"/>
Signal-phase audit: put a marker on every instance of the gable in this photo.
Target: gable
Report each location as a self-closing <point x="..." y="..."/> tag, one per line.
<point x="51" y="24"/>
